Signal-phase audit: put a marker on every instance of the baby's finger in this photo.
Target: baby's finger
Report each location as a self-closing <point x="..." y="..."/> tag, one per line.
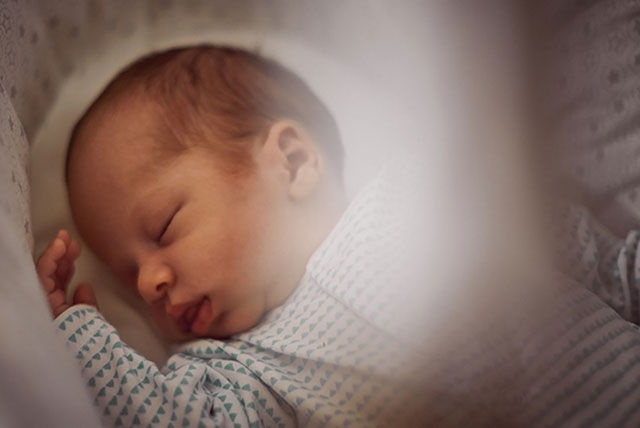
<point x="48" y="261"/>
<point x="84" y="294"/>
<point x="65" y="267"/>
<point x="56" y="299"/>
<point x="64" y="235"/>
<point x="48" y="284"/>
<point x="56" y="249"/>
<point x="60" y="309"/>
<point x="45" y="267"/>
<point x="63" y="273"/>
<point x="73" y="250"/>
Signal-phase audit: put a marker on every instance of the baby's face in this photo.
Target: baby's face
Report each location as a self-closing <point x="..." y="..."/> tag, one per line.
<point x="199" y="245"/>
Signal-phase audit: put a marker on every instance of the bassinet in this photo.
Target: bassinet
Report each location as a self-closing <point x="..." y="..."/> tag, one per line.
<point x="43" y="43"/>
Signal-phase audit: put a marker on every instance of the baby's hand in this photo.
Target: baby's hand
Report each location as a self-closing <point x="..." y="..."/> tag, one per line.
<point x="55" y="269"/>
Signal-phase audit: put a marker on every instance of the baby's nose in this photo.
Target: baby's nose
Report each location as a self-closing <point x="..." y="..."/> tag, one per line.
<point x="154" y="280"/>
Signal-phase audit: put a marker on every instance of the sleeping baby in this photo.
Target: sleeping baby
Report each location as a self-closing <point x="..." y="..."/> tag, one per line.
<point x="208" y="179"/>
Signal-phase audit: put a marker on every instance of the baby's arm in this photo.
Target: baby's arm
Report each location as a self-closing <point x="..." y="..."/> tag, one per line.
<point x="192" y="390"/>
<point x="55" y="268"/>
<point x="130" y="390"/>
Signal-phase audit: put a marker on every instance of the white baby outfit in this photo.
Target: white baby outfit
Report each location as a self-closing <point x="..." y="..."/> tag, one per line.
<point x="323" y="358"/>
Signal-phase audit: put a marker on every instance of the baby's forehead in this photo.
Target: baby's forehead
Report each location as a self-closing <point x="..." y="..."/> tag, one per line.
<point x="121" y="140"/>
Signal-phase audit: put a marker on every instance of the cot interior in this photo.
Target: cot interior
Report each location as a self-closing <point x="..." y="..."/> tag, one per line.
<point x="398" y="81"/>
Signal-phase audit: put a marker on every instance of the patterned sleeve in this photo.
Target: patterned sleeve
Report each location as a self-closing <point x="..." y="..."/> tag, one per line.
<point x="130" y="390"/>
<point x="607" y="265"/>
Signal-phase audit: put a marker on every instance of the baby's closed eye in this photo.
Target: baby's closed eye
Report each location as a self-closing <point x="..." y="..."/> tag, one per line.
<point x="164" y="233"/>
<point x="165" y="228"/>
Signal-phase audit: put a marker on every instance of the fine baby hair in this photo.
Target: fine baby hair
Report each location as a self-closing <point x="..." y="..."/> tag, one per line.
<point x="220" y="97"/>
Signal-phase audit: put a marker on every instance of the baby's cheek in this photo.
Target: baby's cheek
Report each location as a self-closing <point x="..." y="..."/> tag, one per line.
<point x="242" y="316"/>
<point x="223" y="262"/>
<point x="248" y="315"/>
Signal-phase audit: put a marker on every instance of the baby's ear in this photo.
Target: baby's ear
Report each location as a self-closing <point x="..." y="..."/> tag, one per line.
<point x="295" y="153"/>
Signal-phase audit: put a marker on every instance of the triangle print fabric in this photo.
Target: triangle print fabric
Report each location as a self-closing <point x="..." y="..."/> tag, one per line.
<point x="318" y="360"/>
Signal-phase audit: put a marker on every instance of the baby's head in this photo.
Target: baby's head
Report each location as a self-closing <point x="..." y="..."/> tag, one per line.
<point x="204" y="177"/>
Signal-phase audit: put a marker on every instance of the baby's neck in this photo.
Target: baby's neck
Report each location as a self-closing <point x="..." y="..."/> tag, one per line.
<point x="303" y="239"/>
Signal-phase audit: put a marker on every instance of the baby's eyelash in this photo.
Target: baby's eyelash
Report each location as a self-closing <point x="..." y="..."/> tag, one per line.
<point x="168" y="222"/>
<point x="166" y="226"/>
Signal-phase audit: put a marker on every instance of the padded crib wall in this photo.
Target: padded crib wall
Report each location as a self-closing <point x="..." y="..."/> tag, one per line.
<point x="595" y="90"/>
<point x="40" y="386"/>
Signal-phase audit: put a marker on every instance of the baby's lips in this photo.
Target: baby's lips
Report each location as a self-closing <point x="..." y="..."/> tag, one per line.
<point x="191" y="313"/>
<point x="184" y="314"/>
<point x="175" y="312"/>
<point x="202" y="320"/>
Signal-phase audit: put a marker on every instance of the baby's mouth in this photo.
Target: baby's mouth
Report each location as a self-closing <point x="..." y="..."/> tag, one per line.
<point x="190" y="314"/>
<point x="196" y="318"/>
